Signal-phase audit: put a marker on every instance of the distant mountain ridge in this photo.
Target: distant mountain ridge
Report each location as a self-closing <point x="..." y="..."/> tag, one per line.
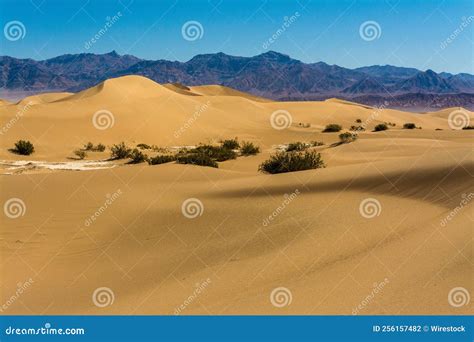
<point x="271" y="74"/>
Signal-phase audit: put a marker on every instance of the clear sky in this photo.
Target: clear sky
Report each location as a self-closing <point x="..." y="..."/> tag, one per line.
<point x="411" y="33"/>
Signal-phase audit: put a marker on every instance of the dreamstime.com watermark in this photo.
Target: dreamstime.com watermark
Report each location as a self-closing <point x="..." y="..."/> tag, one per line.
<point x="197" y="113"/>
<point x="18" y="115"/>
<point x="110" y="21"/>
<point x="21" y="288"/>
<point x="373" y="116"/>
<point x="110" y="199"/>
<point x="458" y="296"/>
<point x="370" y="30"/>
<point x="14" y="30"/>
<point x="46" y="330"/>
<point x="192" y="30"/>
<point x="281" y="297"/>
<point x="287" y="22"/>
<point x="466" y="198"/>
<point x="281" y="119"/>
<point x="377" y="288"/>
<point x="192" y="208"/>
<point x="199" y="289"/>
<point x="465" y="22"/>
<point x="288" y="199"/>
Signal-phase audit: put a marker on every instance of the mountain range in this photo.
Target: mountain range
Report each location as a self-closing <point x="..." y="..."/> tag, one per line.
<point x="271" y="74"/>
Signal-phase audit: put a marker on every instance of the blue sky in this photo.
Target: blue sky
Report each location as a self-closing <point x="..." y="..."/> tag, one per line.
<point x="411" y="34"/>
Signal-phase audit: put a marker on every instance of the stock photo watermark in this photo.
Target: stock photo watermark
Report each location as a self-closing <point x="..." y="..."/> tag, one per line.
<point x="110" y="21"/>
<point x="192" y="30"/>
<point x="198" y="290"/>
<point x="288" y="198"/>
<point x="21" y="288"/>
<point x="287" y="22"/>
<point x="466" y="198"/>
<point x="110" y="199"/>
<point x="14" y="30"/>
<point x="376" y="289"/>
<point x="103" y="296"/>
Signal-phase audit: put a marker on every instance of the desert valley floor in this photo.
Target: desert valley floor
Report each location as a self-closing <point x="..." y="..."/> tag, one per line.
<point x="319" y="246"/>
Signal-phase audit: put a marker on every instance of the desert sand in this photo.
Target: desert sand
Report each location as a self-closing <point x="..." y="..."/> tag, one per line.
<point x="329" y="256"/>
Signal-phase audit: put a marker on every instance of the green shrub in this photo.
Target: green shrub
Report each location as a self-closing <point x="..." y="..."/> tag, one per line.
<point x="357" y="128"/>
<point x="120" y="151"/>
<point x="247" y="148"/>
<point x="291" y="161"/>
<point x="89" y="146"/>
<point x="81" y="154"/>
<point x="100" y="148"/>
<point x="23" y="147"/>
<point x="332" y="128"/>
<point x="380" y="127"/>
<point x="144" y="146"/>
<point x="161" y="159"/>
<point x="230" y="144"/>
<point x="137" y="156"/>
<point x="296" y="146"/>
<point x="218" y="153"/>
<point x="409" y="125"/>
<point x="347" y="137"/>
<point x="201" y="159"/>
<point x="316" y="143"/>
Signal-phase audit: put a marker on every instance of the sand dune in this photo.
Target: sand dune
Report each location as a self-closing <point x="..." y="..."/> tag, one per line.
<point x="320" y="246"/>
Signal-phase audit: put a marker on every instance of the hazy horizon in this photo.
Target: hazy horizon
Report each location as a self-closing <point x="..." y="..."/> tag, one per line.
<point x="416" y="34"/>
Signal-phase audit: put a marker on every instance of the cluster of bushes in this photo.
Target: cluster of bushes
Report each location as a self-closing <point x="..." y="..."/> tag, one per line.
<point x="23" y="147"/>
<point x="81" y="153"/>
<point x="297" y="146"/>
<point x="381" y="127"/>
<point x="94" y="148"/>
<point x="291" y="161"/>
<point x="358" y="128"/>
<point x="332" y="128"/>
<point x="209" y="155"/>
<point x="347" y="137"/>
<point x="409" y="125"/>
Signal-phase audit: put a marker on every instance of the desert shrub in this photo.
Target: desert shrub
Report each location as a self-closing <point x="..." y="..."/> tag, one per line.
<point x="347" y="137"/>
<point x="332" y="128"/>
<point x="81" y="154"/>
<point x="99" y="148"/>
<point x="304" y="125"/>
<point x="137" y="156"/>
<point x="316" y="143"/>
<point x="23" y="147"/>
<point x="380" y="127"/>
<point x="201" y="159"/>
<point x="230" y="144"/>
<point x="359" y="121"/>
<point x="291" y="161"/>
<point x="438" y="129"/>
<point x="409" y="125"/>
<point x="468" y="127"/>
<point x="296" y="146"/>
<point x="161" y="159"/>
<point x="218" y="153"/>
<point x="89" y="146"/>
<point x="120" y="151"/>
<point x="143" y="146"/>
<point x="247" y="148"/>
<point x="357" y="128"/>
